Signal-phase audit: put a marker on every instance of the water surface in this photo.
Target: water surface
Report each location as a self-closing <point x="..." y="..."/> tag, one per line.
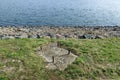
<point x="60" y="12"/>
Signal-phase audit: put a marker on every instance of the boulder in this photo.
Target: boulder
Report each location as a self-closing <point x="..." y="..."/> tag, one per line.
<point x="22" y="36"/>
<point x="51" y="35"/>
<point x="87" y="36"/>
<point x="99" y="37"/>
<point x="7" y="37"/>
<point x="1" y="36"/>
<point x="58" y="36"/>
<point x="69" y="35"/>
<point x="39" y="36"/>
<point x="33" y="36"/>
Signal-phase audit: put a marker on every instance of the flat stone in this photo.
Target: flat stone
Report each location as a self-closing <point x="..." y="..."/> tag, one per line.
<point x="64" y="60"/>
<point x="57" y="58"/>
<point x="51" y="66"/>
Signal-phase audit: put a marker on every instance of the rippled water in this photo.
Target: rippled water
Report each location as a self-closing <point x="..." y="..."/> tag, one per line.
<point x="59" y="12"/>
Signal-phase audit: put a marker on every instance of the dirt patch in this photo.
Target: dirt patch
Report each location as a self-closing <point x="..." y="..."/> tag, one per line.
<point x="56" y="57"/>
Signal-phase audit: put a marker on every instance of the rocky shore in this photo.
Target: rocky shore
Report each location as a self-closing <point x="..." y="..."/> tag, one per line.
<point x="78" y="32"/>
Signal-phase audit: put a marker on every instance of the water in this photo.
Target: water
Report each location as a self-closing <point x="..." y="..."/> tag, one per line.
<point x="60" y="12"/>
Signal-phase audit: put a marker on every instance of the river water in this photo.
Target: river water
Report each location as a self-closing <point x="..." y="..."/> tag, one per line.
<point x="60" y="12"/>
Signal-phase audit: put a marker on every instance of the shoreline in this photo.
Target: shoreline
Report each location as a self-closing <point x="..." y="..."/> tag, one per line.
<point x="59" y="32"/>
<point x="75" y="26"/>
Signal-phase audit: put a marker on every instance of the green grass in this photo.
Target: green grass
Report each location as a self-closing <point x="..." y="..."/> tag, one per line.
<point x="98" y="59"/>
<point x="19" y="54"/>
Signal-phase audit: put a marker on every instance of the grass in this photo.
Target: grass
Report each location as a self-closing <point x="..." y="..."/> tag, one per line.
<point x="98" y="59"/>
<point x="19" y="61"/>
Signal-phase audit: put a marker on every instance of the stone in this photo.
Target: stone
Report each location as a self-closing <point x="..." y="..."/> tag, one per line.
<point x="56" y="57"/>
<point x="21" y="36"/>
<point x="39" y="36"/>
<point x="32" y="36"/>
<point x="81" y="32"/>
<point x="51" y="35"/>
<point x="67" y="36"/>
<point x="87" y="36"/>
<point x="51" y="66"/>
<point x="7" y="37"/>
<point x="58" y="36"/>
<point x="63" y="61"/>
<point x="1" y="36"/>
<point x="99" y="37"/>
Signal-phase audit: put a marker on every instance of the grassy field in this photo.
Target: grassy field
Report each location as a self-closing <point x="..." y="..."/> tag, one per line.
<point x="98" y="59"/>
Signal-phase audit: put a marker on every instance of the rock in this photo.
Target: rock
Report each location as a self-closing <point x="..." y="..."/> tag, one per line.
<point x="114" y="33"/>
<point x="22" y="30"/>
<point x="87" y="36"/>
<point x="51" y="66"/>
<point x="58" y="36"/>
<point x="99" y="37"/>
<point x="60" y="32"/>
<point x="67" y="36"/>
<point x="32" y="36"/>
<point x="1" y="36"/>
<point x="22" y="36"/>
<point x="39" y="36"/>
<point x="64" y="60"/>
<point x="7" y="37"/>
<point x="57" y="58"/>
<point x="51" y="35"/>
<point x="47" y="37"/>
